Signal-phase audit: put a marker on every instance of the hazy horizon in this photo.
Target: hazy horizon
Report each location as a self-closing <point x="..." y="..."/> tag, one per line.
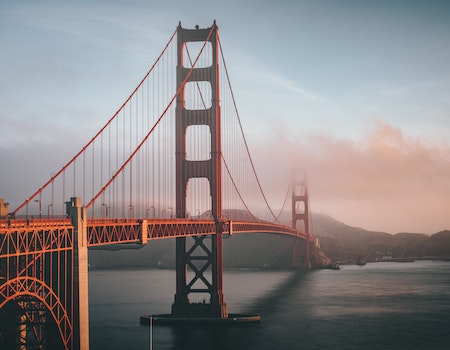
<point x="354" y="93"/>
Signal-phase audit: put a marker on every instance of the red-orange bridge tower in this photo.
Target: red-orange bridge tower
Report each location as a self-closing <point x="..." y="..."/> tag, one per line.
<point x="44" y="242"/>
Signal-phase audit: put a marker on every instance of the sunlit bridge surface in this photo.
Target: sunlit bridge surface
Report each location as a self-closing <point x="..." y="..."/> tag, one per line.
<point x="171" y="163"/>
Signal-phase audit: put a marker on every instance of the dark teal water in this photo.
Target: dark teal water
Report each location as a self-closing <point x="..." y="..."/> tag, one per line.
<point x="377" y="306"/>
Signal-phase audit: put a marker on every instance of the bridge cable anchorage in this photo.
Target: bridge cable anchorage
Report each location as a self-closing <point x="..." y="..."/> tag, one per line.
<point x="243" y="135"/>
<point x="99" y="132"/>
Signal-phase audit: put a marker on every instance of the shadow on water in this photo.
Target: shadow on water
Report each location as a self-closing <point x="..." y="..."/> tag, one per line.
<point x="275" y="299"/>
<point x="252" y="335"/>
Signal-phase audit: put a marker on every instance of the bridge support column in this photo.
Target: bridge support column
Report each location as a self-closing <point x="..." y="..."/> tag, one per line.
<point x="80" y="275"/>
<point x="200" y="261"/>
<point x="301" y="248"/>
<point x="203" y="259"/>
<point x="300" y="221"/>
<point x="308" y="254"/>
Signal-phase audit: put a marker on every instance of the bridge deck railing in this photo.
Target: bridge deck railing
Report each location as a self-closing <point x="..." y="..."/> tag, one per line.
<point x="108" y="231"/>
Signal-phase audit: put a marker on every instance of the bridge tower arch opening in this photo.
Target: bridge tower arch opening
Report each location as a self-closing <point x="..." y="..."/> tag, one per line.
<point x="27" y="322"/>
<point x="43" y="282"/>
<point x="203" y="255"/>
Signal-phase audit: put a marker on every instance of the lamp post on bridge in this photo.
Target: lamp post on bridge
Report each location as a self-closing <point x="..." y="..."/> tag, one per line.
<point x="53" y="190"/>
<point x="106" y="209"/>
<point x="40" y="205"/>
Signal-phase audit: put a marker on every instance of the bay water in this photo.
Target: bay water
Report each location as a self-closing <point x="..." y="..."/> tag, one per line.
<point x="383" y="305"/>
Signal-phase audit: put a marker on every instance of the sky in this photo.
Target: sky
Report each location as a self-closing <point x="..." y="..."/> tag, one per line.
<point x="355" y="93"/>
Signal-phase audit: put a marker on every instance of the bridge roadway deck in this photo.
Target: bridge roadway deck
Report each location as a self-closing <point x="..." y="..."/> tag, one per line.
<point x="55" y="233"/>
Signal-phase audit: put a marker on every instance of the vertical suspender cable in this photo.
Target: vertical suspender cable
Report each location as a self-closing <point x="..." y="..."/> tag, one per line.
<point x="153" y="148"/>
<point x="63" y="192"/>
<point x="74" y="177"/>
<point x="122" y="200"/>
<point x="93" y="176"/>
<point x="158" y="196"/>
<point x="129" y="159"/>
<point x="73" y="160"/>
<point x="244" y="139"/>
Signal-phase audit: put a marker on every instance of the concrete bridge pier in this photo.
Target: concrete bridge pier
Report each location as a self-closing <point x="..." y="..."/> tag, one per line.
<point x="80" y="317"/>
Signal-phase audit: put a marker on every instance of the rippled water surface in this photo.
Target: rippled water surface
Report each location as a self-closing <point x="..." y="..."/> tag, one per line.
<point x="377" y="306"/>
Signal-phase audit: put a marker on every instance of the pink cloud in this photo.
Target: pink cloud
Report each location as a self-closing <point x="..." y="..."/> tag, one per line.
<point x="384" y="181"/>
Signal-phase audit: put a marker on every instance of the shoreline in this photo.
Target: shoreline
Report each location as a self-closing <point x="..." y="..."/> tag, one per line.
<point x="339" y="262"/>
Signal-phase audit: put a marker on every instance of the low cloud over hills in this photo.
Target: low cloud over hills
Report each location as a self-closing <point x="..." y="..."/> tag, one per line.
<point x="345" y="243"/>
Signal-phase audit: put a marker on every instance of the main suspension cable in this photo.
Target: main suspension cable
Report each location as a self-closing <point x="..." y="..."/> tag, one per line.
<point x="244" y="138"/>
<point x="284" y="202"/>
<point x="62" y="170"/>
<point x="180" y="88"/>
<point x="223" y="158"/>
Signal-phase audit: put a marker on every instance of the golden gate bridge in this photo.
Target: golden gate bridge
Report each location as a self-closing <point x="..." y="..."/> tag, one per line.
<point x="172" y="162"/>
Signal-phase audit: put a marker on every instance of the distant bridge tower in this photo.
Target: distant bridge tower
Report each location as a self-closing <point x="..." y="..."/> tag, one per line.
<point x="205" y="262"/>
<point x="300" y="219"/>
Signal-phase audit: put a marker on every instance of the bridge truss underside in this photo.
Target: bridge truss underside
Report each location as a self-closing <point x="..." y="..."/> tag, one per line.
<point x="37" y="268"/>
<point x="36" y="284"/>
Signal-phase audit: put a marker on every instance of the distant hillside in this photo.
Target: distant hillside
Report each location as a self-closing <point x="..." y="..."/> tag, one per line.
<point x="346" y="243"/>
<point x="338" y="241"/>
<point x="250" y="251"/>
